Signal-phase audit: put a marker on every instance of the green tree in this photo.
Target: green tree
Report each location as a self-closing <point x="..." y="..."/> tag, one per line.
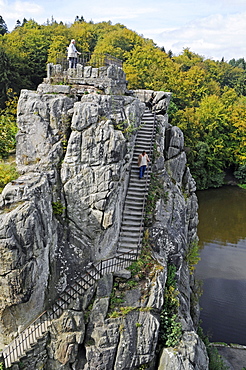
<point x="238" y="63"/>
<point x="3" y="26"/>
<point x="4" y="76"/>
<point x="8" y="128"/>
<point x="119" y="41"/>
<point x="147" y="67"/>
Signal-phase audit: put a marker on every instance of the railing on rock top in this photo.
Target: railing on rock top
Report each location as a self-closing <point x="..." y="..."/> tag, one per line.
<point x="90" y="59"/>
<point x="36" y="330"/>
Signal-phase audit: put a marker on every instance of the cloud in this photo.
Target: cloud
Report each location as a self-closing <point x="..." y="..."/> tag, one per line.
<point x="11" y="11"/>
<point x="120" y="12"/>
<point x="211" y="28"/>
<point x="214" y="37"/>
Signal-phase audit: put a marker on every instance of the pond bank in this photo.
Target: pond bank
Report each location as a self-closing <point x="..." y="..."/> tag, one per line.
<point x="234" y="355"/>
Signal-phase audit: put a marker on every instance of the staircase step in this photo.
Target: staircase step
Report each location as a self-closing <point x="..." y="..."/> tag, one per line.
<point x="144" y="136"/>
<point x="135" y="183"/>
<point x="130" y="238"/>
<point x="132" y="219"/>
<point x="128" y="232"/>
<point x="134" y="200"/>
<point x="133" y="209"/>
<point x="128" y="224"/>
<point x="134" y="192"/>
<point x="125" y="250"/>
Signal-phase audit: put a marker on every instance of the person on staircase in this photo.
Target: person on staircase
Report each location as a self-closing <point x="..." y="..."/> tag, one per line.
<point x="143" y="160"/>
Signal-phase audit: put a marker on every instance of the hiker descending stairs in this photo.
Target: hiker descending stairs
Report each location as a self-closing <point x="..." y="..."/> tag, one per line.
<point x="129" y="247"/>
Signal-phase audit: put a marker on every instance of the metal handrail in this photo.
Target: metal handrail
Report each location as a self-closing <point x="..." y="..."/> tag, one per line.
<point x="90" y="59"/>
<point x="16" y="349"/>
<point x="23" y="337"/>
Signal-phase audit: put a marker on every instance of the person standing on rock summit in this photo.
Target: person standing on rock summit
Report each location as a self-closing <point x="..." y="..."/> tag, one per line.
<point x="72" y="54"/>
<point x="143" y="160"/>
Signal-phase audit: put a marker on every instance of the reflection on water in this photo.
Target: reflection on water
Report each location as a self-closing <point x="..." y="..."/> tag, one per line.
<point x="222" y="234"/>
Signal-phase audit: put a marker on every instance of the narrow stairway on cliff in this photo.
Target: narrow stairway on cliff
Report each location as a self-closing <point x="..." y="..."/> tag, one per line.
<point x="132" y="225"/>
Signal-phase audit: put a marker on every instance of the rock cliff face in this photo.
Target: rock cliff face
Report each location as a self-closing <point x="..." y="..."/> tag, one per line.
<point x="64" y="211"/>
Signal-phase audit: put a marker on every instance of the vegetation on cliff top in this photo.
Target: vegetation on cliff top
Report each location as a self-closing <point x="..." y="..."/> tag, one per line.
<point x="208" y="97"/>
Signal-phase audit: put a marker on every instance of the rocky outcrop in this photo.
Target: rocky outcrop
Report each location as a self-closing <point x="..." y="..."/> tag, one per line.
<point x="65" y="211"/>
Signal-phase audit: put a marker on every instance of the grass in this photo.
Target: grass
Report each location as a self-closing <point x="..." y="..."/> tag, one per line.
<point x="123" y="311"/>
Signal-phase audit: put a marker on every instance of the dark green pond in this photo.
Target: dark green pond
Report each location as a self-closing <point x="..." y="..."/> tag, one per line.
<point x="222" y="234"/>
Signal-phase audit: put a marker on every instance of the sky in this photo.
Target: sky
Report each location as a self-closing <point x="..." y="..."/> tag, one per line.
<point x="215" y="29"/>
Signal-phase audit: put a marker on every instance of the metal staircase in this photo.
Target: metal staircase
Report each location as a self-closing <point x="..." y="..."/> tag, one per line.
<point x="129" y="247"/>
<point x="133" y="214"/>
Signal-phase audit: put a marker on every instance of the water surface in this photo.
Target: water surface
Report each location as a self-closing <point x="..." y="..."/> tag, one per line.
<point x="222" y="234"/>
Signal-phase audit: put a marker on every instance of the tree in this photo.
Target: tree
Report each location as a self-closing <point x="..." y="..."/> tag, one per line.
<point x="80" y="20"/>
<point x="8" y="127"/>
<point x="4" y="76"/>
<point x="147" y="67"/>
<point x="119" y="42"/>
<point x="3" y="26"/>
<point x="24" y="22"/>
<point x="238" y="63"/>
<point x="18" y="24"/>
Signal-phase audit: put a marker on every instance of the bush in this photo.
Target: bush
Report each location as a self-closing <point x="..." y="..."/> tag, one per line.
<point x="193" y="256"/>
<point x="7" y="173"/>
<point x="57" y="208"/>
<point x="170" y="327"/>
<point x="240" y="173"/>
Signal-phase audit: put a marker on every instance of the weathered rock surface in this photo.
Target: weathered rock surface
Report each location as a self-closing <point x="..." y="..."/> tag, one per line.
<point x="190" y="354"/>
<point x="70" y="196"/>
<point x="28" y="242"/>
<point x="65" y="211"/>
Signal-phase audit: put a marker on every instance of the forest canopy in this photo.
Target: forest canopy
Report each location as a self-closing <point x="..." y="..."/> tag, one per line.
<point x="208" y="97"/>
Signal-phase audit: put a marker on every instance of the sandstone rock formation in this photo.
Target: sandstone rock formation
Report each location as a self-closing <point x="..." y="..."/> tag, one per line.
<point x="64" y="211"/>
